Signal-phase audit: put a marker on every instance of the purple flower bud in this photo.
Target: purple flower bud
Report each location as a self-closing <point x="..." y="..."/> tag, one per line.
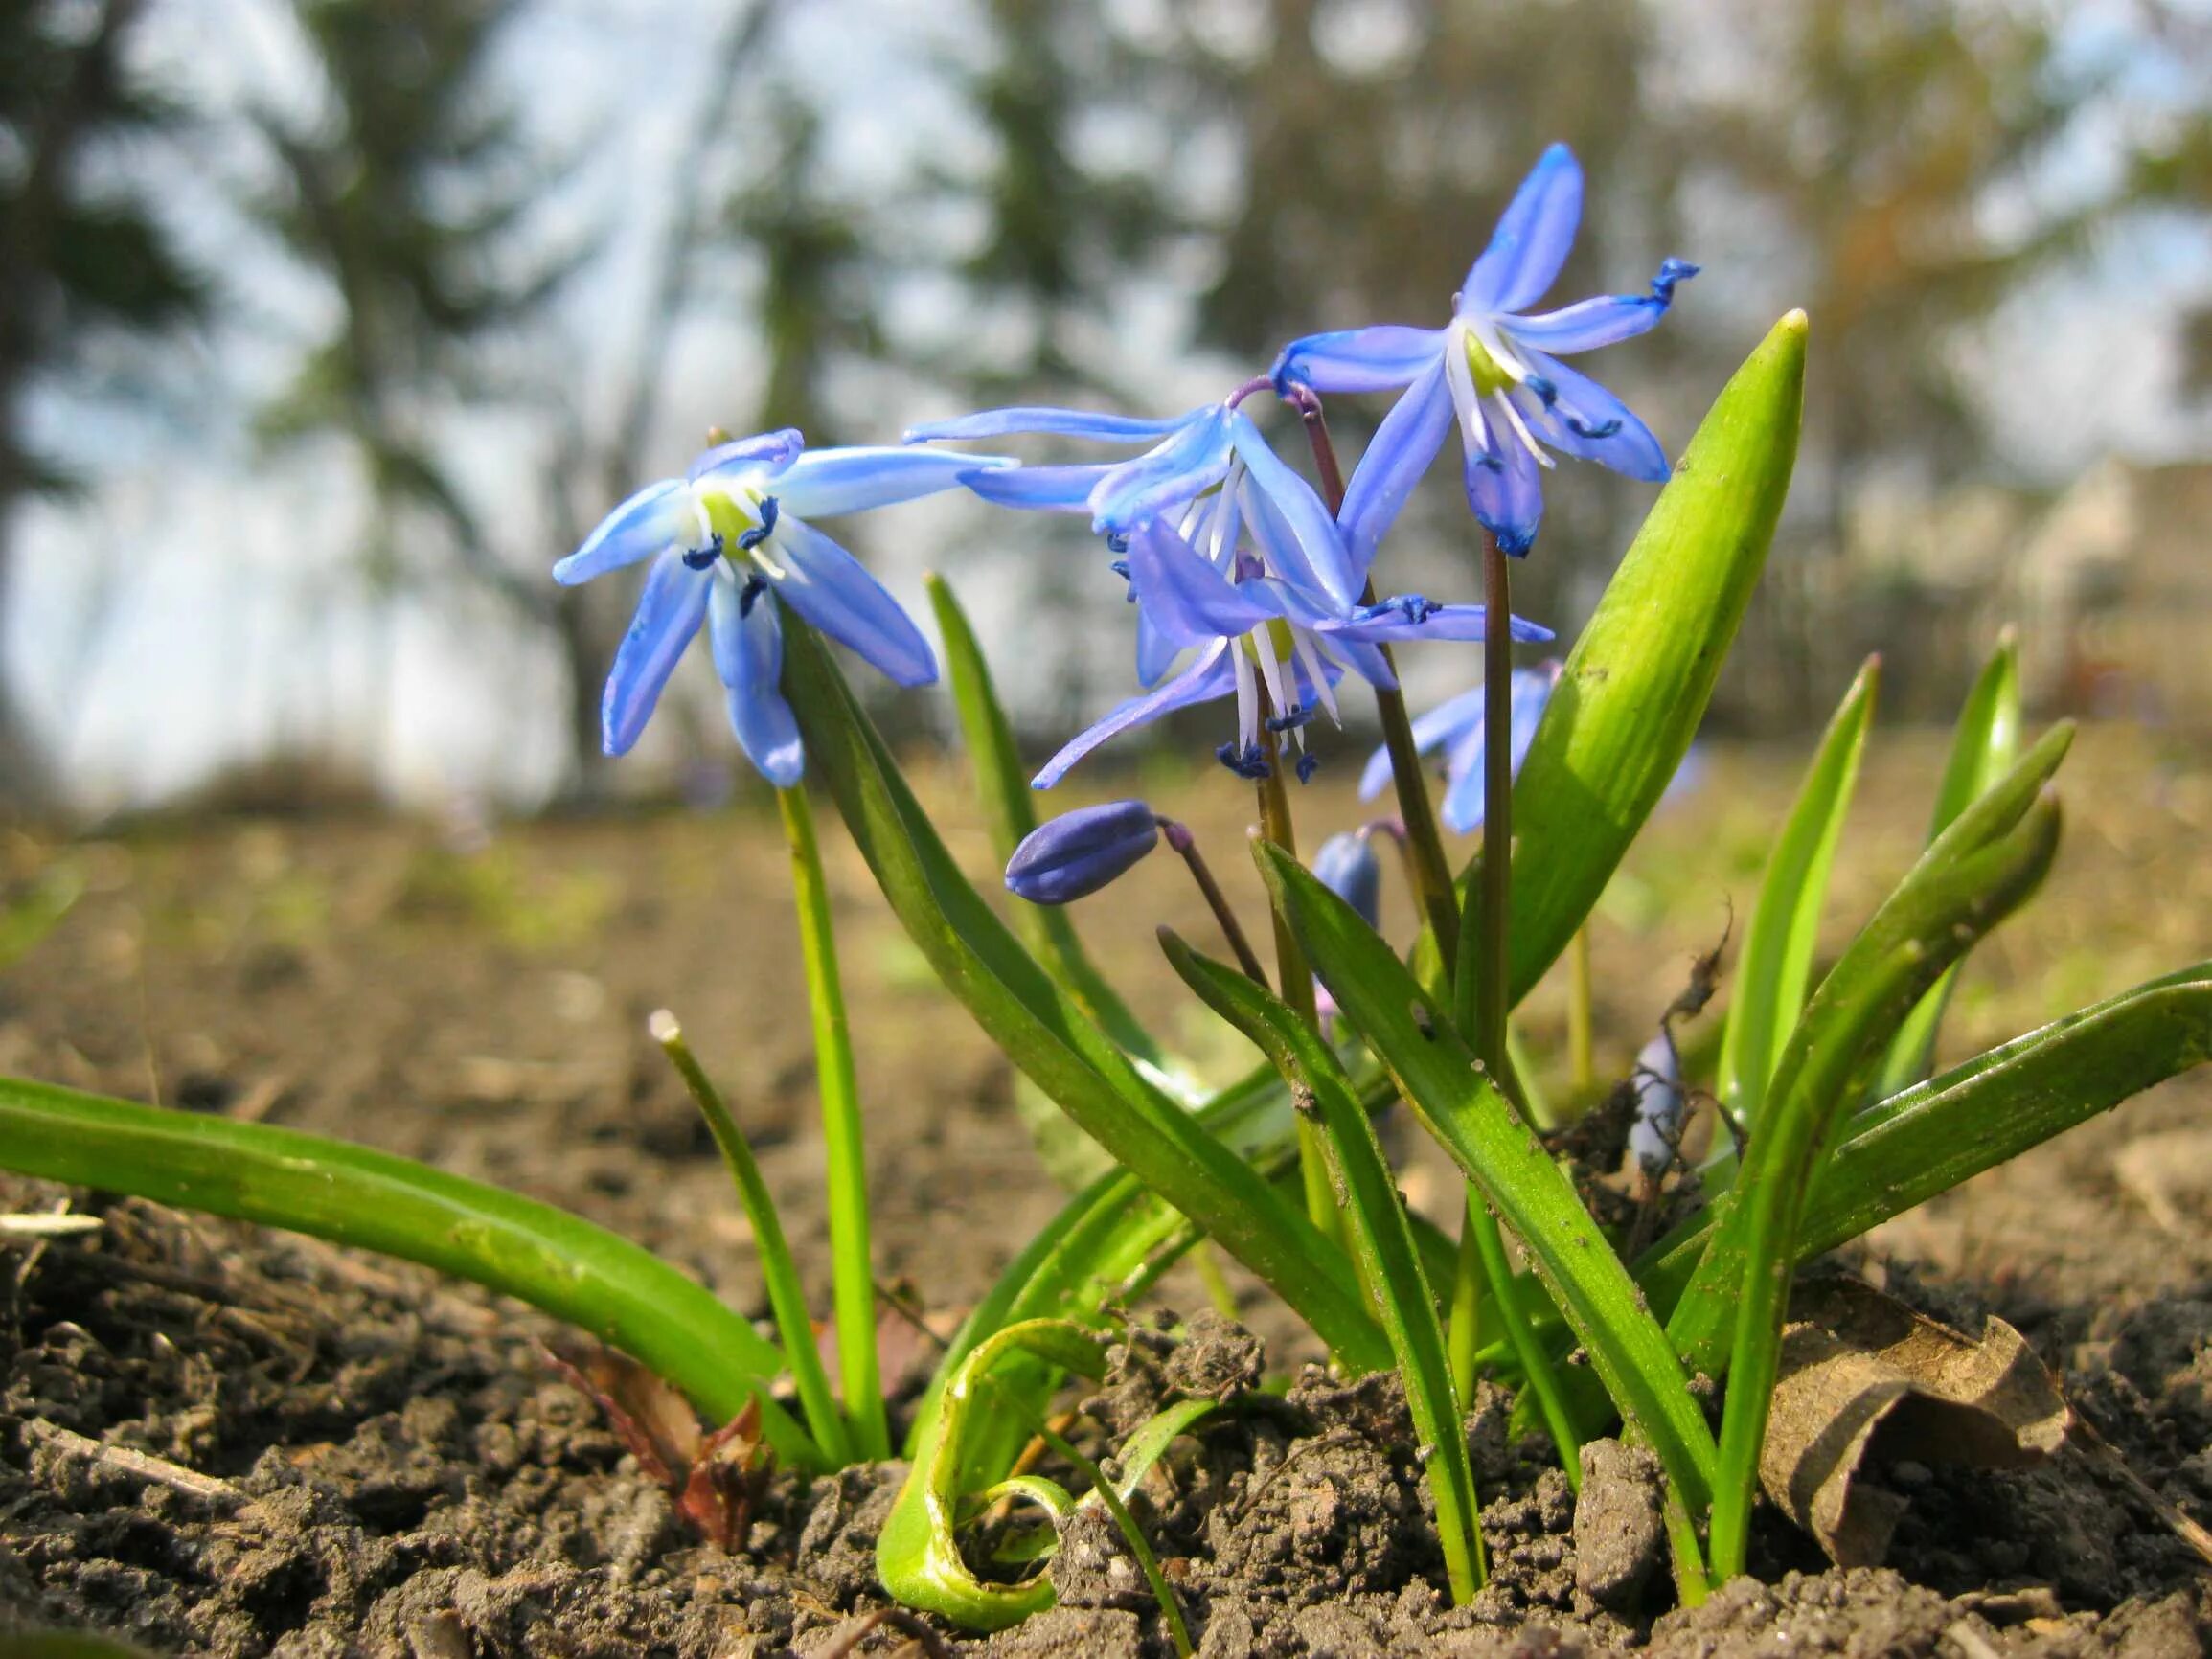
<point x="1081" y="852"/>
<point x="1347" y="866"/>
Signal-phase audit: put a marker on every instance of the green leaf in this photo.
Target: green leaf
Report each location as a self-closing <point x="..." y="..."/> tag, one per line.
<point x="1441" y="1080"/>
<point x="1042" y="1029"/>
<point x="1777" y="955"/>
<point x="1987" y="739"/>
<point x="279" y="1177"/>
<point x="1638" y="679"/>
<point x="1380" y="1230"/>
<point x="1976" y="872"/>
<point x="916" y="1554"/>
<point x="1009" y="808"/>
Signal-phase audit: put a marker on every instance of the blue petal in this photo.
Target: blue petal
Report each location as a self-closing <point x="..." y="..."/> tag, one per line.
<point x="1464" y="795"/>
<point x="1505" y="488"/>
<point x="1055" y="422"/>
<point x="1466" y="789"/>
<point x="1531" y="242"/>
<point x="830" y="588"/>
<point x="1179" y="471"/>
<point x="748" y="644"/>
<point x="1586" y="326"/>
<point x="1303" y="539"/>
<point x="1403" y="447"/>
<point x="638" y="529"/>
<point x="1359" y="359"/>
<point x="772" y="449"/>
<point x="1156" y="651"/>
<point x="1212" y="675"/>
<point x="1443" y="725"/>
<point x="1039" y="488"/>
<point x="1375" y="778"/>
<point x="1445" y="622"/>
<point x="824" y="482"/>
<point x="1188" y="601"/>
<point x="669" y="612"/>
<point x="1609" y="431"/>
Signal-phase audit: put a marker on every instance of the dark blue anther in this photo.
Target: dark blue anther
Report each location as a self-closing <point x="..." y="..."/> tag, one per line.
<point x="1116" y="542"/>
<point x="1308" y="763"/>
<point x="1250" y="763"/>
<point x="750" y="593"/>
<point x="1546" y="391"/>
<point x="1583" y="429"/>
<point x="703" y="557"/>
<point x="1121" y="568"/>
<point x="761" y="531"/>
<point x="1416" y="608"/>
<point x="1291" y="721"/>
<point x="1489" y="462"/>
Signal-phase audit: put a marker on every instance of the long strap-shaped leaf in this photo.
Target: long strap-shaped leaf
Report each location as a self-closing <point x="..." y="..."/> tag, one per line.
<point x="1442" y="1081"/>
<point x="1008" y="808"/>
<point x="1379" y="1231"/>
<point x="1777" y="955"/>
<point x="1042" y="1031"/>
<point x="1976" y="874"/>
<point x="1982" y="749"/>
<point x="280" y="1177"/>
<point x="1639" y="677"/>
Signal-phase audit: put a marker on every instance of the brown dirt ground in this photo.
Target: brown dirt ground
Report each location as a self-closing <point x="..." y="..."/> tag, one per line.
<point x="401" y="1473"/>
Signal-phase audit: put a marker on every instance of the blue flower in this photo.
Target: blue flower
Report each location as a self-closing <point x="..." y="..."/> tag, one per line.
<point x="1251" y="623"/>
<point x="1213" y="448"/>
<point x="1456" y="727"/>
<point x="1075" y="855"/>
<point x="1493" y="372"/>
<point x="1347" y="866"/>
<point x="729" y="542"/>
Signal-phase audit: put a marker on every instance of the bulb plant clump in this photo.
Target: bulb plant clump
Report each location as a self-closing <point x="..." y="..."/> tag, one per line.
<point x="1264" y="582"/>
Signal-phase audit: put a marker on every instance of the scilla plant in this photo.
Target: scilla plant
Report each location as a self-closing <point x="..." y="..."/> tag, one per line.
<point x="1257" y="584"/>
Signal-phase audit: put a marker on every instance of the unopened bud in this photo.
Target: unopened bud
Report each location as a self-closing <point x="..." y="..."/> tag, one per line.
<point x="1081" y="852"/>
<point x="1347" y="866"/>
<point x="1657" y="1129"/>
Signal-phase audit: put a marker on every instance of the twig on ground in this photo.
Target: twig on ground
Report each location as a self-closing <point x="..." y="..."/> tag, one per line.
<point x="141" y="1466"/>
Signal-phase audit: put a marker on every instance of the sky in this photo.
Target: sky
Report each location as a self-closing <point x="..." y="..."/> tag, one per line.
<point x="199" y="607"/>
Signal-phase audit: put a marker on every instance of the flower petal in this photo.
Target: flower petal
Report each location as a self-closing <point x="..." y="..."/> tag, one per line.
<point x="824" y="482"/>
<point x="1179" y="471"/>
<point x="1587" y="324"/>
<point x="748" y="644"/>
<point x="1445" y="622"/>
<point x="638" y="529"/>
<point x="1156" y="651"/>
<point x="1532" y="238"/>
<point x="1505" y="488"/>
<point x="1359" y="359"/>
<point x="1039" y="488"/>
<point x="1054" y="422"/>
<point x="669" y="612"/>
<point x="830" y="589"/>
<point x="764" y="448"/>
<point x="1586" y="419"/>
<point x="1294" y="527"/>
<point x="1187" y="600"/>
<point x="1400" y="453"/>
<point x="1212" y="675"/>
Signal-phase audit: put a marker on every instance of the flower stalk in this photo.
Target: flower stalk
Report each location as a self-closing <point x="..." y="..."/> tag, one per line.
<point x="1185" y="845"/>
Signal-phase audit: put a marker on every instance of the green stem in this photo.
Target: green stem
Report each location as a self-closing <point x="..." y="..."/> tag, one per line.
<point x="1147" y="1563"/>
<point x="852" y="1267"/>
<point x="1463" y="1333"/>
<point x="1536" y="1360"/>
<point x="777" y="1271"/>
<point x="1293" y="975"/>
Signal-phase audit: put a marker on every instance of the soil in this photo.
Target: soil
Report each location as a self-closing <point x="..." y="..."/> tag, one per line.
<point x="224" y="1441"/>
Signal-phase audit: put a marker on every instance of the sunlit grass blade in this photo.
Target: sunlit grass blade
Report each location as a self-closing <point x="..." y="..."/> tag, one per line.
<point x="1984" y="746"/>
<point x="1975" y="875"/>
<point x="1776" y="959"/>
<point x="852" y="1260"/>
<point x="1009" y="807"/>
<point x="1639" y="677"/>
<point x="1379" y="1230"/>
<point x="1043" y="1031"/>
<point x="1436" y="1072"/>
<point x="558" y="1262"/>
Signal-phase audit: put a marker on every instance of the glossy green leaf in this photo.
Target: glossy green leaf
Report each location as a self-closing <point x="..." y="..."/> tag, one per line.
<point x="1983" y="748"/>
<point x="1041" y="1028"/>
<point x="1009" y="808"/>
<point x="559" y="1262"/>
<point x="1776" y="960"/>
<point x="1639" y="677"/>
<point x="1439" y="1078"/>
<point x="1379" y="1231"/>
<point x="1976" y="872"/>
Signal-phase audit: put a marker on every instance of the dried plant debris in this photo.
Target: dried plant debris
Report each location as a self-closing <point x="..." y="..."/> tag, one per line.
<point x="1867" y="1382"/>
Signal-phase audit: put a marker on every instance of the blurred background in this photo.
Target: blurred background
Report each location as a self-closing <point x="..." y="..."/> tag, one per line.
<point x="326" y="326"/>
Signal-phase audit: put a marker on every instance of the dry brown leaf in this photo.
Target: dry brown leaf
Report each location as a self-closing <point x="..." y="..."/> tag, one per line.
<point x="1867" y="1382"/>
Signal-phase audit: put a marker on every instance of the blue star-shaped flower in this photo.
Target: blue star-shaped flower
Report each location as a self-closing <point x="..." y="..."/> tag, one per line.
<point x="1495" y="371"/>
<point x="1456" y="727"/>
<point x="729" y="542"/>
